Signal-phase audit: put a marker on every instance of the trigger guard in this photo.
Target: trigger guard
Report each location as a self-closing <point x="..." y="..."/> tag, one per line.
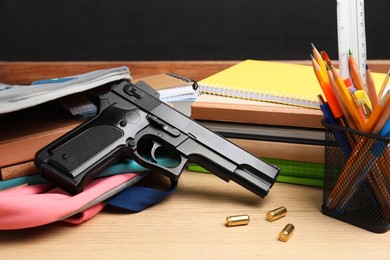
<point x="172" y="173"/>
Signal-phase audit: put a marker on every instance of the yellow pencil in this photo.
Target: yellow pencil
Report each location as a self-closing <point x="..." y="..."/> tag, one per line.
<point x="380" y="115"/>
<point x="320" y="61"/>
<point x="384" y="85"/>
<point x="317" y="70"/>
<point x="371" y="91"/>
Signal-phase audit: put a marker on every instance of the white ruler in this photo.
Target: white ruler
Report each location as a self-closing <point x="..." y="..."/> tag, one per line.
<point x="351" y="35"/>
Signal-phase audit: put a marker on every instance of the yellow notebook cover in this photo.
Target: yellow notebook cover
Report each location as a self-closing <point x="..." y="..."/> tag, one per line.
<point x="268" y="81"/>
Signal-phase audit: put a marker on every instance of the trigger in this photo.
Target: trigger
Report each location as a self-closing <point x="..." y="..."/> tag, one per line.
<point x="154" y="149"/>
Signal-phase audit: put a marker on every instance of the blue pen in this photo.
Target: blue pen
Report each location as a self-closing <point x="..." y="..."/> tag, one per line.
<point x="380" y="146"/>
<point x="329" y="118"/>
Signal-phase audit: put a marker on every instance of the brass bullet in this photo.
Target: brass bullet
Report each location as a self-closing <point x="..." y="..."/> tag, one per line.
<point x="286" y="233"/>
<point x="238" y="220"/>
<point x="276" y="214"/>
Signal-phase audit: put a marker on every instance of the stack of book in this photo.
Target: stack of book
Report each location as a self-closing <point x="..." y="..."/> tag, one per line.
<point x="271" y="110"/>
<point x="23" y="133"/>
<point x="31" y="117"/>
<point x="28" y="126"/>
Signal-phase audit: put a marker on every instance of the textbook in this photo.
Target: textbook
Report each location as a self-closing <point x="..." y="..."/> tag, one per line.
<point x="267" y="81"/>
<point x="17" y="170"/>
<point x="285" y="134"/>
<point x="282" y="150"/>
<point x="26" y="131"/>
<point x="218" y="108"/>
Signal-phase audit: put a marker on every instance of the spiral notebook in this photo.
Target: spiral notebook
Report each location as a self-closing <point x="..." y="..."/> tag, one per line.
<point x="267" y="81"/>
<point x="173" y="87"/>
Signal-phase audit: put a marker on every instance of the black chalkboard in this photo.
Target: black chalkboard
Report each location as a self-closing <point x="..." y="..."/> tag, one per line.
<point x="92" y="30"/>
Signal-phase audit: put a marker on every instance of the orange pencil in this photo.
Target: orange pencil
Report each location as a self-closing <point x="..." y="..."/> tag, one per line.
<point x="346" y="119"/>
<point x="327" y="89"/>
<point x="355" y="74"/>
<point x="346" y="98"/>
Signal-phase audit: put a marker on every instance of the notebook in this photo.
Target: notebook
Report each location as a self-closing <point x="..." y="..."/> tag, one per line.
<point x="172" y="87"/>
<point x="267" y="81"/>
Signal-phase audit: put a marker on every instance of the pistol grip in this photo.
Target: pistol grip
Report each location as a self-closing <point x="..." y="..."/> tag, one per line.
<point x="82" y="148"/>
<point x="79" y="158"/>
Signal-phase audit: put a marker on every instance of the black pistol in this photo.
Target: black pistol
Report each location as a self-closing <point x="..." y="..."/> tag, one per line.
<point x="132" y="121"/>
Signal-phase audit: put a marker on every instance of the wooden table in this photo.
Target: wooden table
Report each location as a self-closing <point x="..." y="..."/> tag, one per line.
<point x="190" y="224"/>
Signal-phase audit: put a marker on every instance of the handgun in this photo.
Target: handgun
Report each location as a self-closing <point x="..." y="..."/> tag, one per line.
<point x="133" y="122"/>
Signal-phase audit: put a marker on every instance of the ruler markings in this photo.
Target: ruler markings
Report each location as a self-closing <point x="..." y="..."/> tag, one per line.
<point x="351" y="35"/>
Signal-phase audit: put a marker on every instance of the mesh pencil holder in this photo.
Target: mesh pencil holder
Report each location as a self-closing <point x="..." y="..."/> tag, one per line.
<point x="357" y="178"/>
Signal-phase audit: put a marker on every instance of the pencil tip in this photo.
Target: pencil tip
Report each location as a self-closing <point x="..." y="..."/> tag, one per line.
<point x="312" y="45"/>
<point x="350" y="52"/>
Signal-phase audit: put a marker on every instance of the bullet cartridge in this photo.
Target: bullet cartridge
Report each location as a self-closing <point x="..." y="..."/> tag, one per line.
<point x="286" y="233"/>
<point x="238" y="220"/>
<point x="276" y="214"/>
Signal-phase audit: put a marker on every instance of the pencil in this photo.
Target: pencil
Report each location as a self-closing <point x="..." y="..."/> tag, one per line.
<point x="361" y="165"/>
<point x="382" y="113"/>
<point x="354" y="71"/>
<point x="379" y="185"/>
<point x="347" y="100"/>
<point x="327" y="89"/>
<point x="320" y="61"/>
<point x="371" y="91"/>
<point x="330" y="119"/>
<point x="346" y="119"/>
<point x="384" y="84"/>
<point x="317" y="70"/>
<point x="364" y="162"/>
